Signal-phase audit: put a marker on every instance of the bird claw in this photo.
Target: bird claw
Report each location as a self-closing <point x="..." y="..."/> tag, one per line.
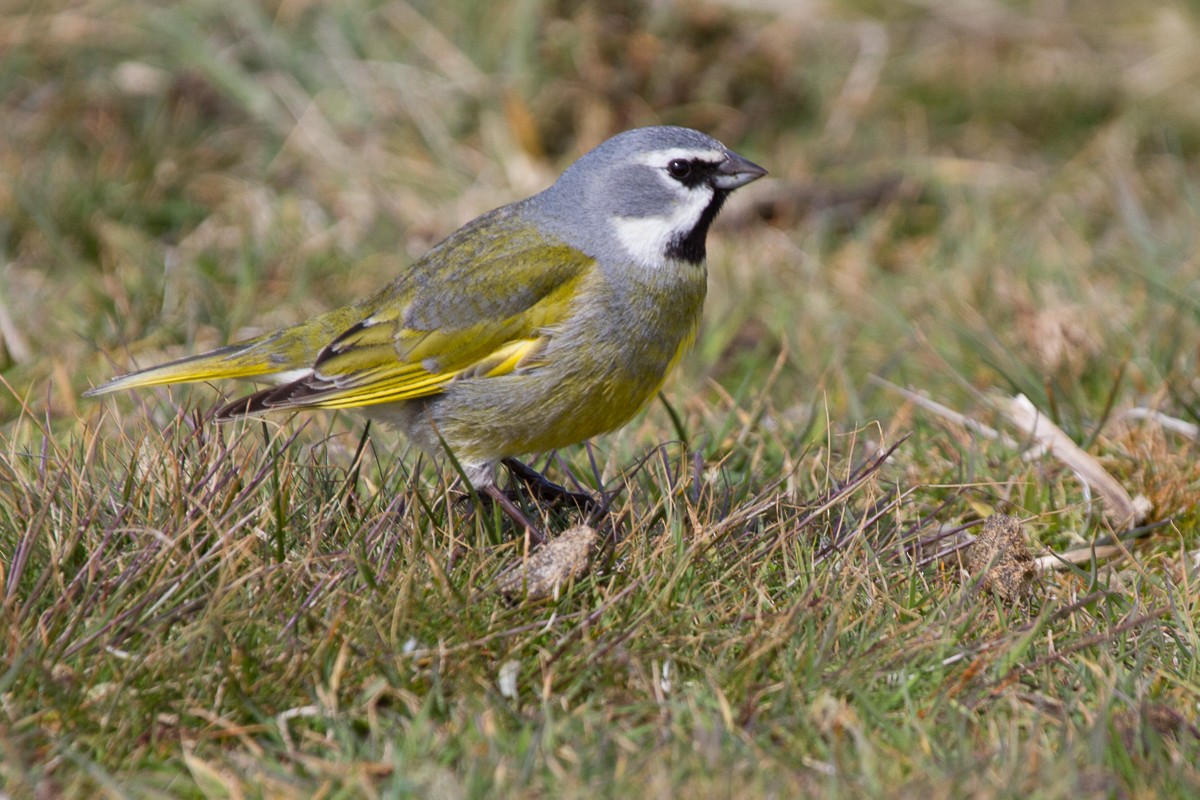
<point x="543" y="490"/>
<point x="551" y="493"/>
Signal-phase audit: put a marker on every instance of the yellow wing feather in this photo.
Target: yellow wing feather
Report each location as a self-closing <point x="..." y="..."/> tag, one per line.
<point x="406" y="381"/>
<point x="384" y="359"/>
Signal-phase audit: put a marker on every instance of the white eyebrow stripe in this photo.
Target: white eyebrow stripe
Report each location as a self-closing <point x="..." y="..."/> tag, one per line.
<point x="660" y="158"/>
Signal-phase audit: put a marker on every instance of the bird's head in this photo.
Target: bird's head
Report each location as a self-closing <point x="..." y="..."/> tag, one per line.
<point x="647" y="195"/>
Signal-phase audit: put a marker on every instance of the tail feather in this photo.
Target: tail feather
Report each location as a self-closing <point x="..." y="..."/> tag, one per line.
<point x="253" y="405"/>
<point x="280" y="357"/>
<point x="244" y="360"/>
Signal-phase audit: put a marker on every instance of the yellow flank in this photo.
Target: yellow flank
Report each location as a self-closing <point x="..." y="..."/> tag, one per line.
<point x="508" y="357"/>
<point x="685" y="345"/>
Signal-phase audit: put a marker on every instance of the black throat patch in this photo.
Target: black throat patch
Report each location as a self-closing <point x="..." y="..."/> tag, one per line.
<point x="689" y="246"/>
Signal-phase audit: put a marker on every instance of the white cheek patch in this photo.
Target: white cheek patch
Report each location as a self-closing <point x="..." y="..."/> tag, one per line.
<point x="645" y="239"/>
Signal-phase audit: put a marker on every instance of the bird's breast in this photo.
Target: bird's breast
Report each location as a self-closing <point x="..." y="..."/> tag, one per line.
<point x="624" y="340"/>
<point x="598" y="367"/>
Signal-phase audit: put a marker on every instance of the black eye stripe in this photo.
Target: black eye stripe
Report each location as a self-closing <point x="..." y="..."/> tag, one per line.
<point x="690" y="171"/>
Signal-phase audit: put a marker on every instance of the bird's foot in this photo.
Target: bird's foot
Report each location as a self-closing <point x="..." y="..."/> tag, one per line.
<point x="500" y="498"/>
<point x="542" y="489"/>
<point x="549" y="492"/>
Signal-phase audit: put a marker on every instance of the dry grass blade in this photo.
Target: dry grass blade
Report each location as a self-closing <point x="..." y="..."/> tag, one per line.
<point x="1174" y="424"/>
<point x="938" y="409"/>
<point x="1125" y="512"/>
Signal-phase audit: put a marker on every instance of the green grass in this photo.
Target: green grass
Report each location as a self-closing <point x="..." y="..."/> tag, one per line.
<point x="964" y="204"/>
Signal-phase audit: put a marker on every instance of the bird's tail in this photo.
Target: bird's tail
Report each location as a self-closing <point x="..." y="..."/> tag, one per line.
<point x="278" y="357"/>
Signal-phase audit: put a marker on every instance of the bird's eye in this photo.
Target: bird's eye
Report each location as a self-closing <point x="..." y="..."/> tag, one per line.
<point x="679" y="168"/>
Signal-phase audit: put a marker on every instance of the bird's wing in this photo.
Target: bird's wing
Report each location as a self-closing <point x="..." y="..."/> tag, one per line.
<point x="420" y="334"/>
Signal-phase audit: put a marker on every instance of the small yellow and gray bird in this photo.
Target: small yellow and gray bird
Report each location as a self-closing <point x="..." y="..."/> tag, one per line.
<point x="538" y="325"/>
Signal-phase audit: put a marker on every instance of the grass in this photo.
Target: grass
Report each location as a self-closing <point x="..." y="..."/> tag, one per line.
<point x="966" y="205"/>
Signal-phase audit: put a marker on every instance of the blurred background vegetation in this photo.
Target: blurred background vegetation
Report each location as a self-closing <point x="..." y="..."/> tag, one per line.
<point x="966" y="199"/>
<point x="994" y="197"/>
<point x="1001" y="190"/>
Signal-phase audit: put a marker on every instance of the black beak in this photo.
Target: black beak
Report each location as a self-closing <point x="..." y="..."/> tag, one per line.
<point x="736" y="171"/>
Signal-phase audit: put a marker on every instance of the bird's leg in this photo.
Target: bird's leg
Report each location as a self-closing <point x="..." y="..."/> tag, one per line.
<point x="536" y="537"/>
<point x="547" y="490"/>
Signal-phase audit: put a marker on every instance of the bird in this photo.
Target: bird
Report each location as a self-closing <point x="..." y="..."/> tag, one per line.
<point x="540" y="324"/>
